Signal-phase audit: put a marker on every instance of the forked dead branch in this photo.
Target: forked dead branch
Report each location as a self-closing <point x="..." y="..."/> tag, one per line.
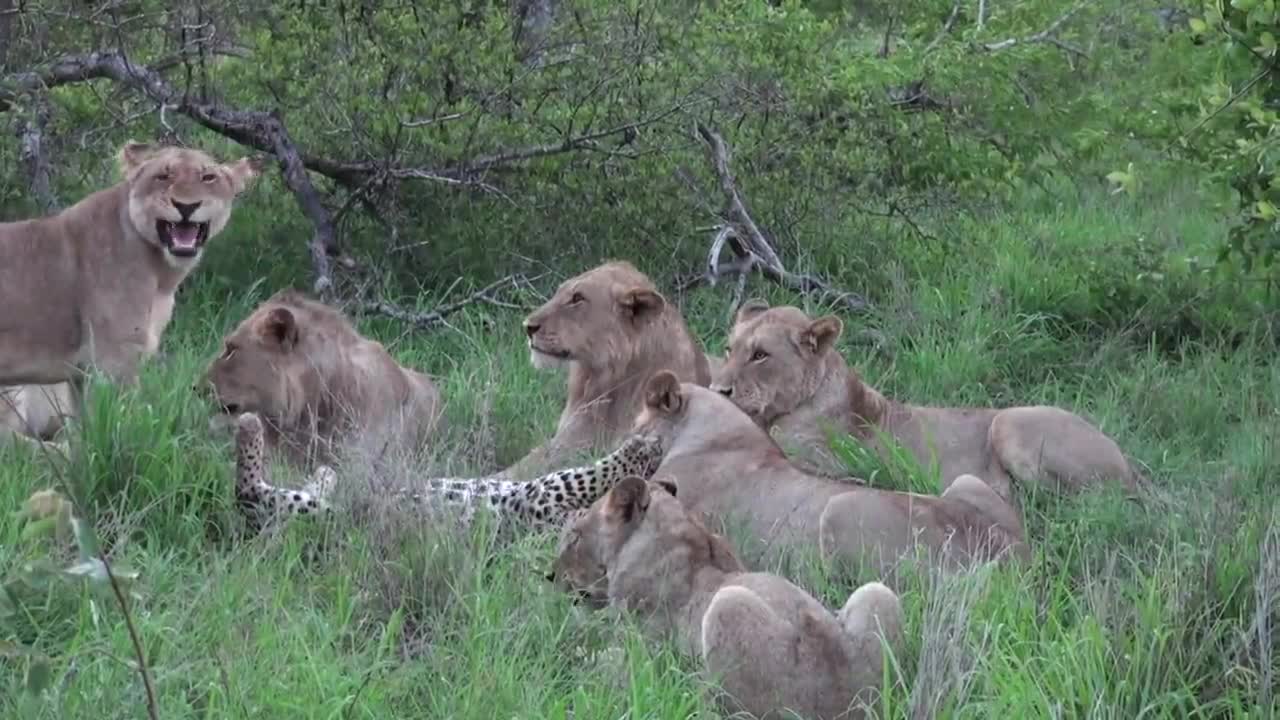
<point x="754" y="252"/>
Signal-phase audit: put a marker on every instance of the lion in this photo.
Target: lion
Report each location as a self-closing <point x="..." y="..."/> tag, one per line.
<point x="770" y="646"/>
<point x="783" y="370"/>
<point x="93" y="286"/>
<point x="611" y="328"/>
<point x="318" y="384"/>
<point x="728" y="467"/>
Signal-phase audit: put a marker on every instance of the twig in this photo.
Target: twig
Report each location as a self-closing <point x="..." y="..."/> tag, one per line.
<point x="431" y="121"/>
<point x="1045" y="36"/>
<point x="152" y="711"/>
<point x="428" y="320"/>
<point x="982" y="15"/>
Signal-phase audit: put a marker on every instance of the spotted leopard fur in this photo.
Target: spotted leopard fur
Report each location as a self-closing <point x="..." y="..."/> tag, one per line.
<point x="551" y="500"/>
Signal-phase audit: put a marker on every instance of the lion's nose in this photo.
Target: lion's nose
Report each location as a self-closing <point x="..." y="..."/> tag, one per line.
<point x="531" y="328"/>
<point x="186" y="209"/>
<point x="725" y="390"/>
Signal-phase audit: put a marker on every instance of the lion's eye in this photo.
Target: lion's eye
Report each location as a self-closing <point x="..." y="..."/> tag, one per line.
<point x="162" y="177"/>
<point x="229" y="351"/>
<point x="576" y="298"/>
<point x="759" y="355"/>
<point x="208" y="177"/>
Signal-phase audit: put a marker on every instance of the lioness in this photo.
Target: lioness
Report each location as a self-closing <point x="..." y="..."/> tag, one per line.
<point x="94" y="284"/>
<point x="727" y="466"/>
<point x="782" y="369"/>
<point x="317" y="383"/>
<point x="770" y="645"/>
<point x="612" y="328"/>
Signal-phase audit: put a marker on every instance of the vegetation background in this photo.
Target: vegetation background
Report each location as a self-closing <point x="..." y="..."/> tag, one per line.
<point x="1037" y="201"/>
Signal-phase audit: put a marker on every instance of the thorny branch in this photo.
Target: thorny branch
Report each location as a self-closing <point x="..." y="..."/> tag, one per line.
<point x="428" y="320"/>
<point x="754" y="251"/>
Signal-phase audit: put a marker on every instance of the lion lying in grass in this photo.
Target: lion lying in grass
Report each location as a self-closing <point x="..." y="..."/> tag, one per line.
<point x="770" y="645"/>
<point x="727" y="466"/>
<point x="612" y="329"/>
<point x="783" y="370"/>
<point x="318" y="384"/>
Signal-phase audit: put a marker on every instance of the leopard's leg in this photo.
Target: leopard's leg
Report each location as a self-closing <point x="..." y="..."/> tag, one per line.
<point x="255" y="496"/>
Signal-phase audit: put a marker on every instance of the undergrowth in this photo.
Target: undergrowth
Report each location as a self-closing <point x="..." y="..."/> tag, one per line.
<point x="1157" y="608"/>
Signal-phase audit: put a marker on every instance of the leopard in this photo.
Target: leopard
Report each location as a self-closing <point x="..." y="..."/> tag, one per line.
<point x="550" y="501"/>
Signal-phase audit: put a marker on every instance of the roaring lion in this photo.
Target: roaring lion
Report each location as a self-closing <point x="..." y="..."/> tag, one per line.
<point x="771" y="646"/>
<point x="612" y="329"/>
<point x="318" y="384"/>
<point x="728" y="467"/>
<point x="783" y="370"/>
<point x="94" y="284"/>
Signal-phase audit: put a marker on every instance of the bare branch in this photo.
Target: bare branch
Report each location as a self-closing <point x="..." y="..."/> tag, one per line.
<point x="755" y="252"/>
<point x="946" y="27"/>
<point x="35" y="161"/>
<point x="982" y="15"/>
<point x="1044" y="36"/>
<point x="433" y="318"/>
<point x="431" y="121"/>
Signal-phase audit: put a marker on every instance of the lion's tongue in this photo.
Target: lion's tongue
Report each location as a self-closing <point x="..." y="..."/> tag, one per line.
<point x="185" y="235"/>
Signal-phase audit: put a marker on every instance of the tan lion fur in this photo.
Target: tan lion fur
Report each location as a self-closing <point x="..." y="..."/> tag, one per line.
<point x="94" y="284"/>
<point x="769" y="645"/>
<point x="318" y="384"/>
<point x="727" y="467"/>
<point x="612" y="329"/>
<point x="783" y="369"/>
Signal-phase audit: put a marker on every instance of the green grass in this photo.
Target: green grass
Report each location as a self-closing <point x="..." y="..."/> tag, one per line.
<point x="1159" y="609"/>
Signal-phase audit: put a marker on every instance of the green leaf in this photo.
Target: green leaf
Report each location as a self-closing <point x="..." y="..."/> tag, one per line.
<point x="38" y="528"/>
<point x="1198" y="26"/>
<point x="1266" y="210"/>
<point x="1244" y="5"/>
<point x="86" y="539"/>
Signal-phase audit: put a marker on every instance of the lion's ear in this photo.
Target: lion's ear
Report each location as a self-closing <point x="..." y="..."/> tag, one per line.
<point x="133" y="155"/>
<point x="280" y="327"/>
<point x="821" y="334"/>
<point x="663" y="393"/>
<point x="244" y="171"/>
<point x="640" y="302"/>
<point x="627" y="501"/>
<point x="750" y="309"/>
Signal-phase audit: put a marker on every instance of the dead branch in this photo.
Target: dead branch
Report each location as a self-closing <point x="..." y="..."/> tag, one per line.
<point x="946" y="27"/>
<point x="433" y="318"/>
<point x="34" y="159"/>
<point x="1048" y="35"/>
<point x="754" y="251"/>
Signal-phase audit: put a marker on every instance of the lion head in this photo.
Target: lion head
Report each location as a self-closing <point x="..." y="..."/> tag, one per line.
<point x="272" y="363"/>
<point x="637" y="537"/>
<point x="689" y="419"/>
<point x="775" y="360"/>
<point x="597" y="319"/>
<point x="179" y="198"/>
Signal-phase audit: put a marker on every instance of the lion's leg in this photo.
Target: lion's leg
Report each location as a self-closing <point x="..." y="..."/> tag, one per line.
<point x="872" y="613"/>
<point x="1004" y="529"/>
<point x="765" y="662"/>
<point x="1057" y="450"/>
<point x="857" y="530"/>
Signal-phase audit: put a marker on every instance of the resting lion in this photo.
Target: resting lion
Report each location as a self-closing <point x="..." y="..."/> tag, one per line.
<point x="728" y="467"/>
<point x="770" y="645"/>
<point x="612" y="328"/>
<point x="318" y="384"/>
<point x="782" y="368"/>
<point x="94" y="284"/>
